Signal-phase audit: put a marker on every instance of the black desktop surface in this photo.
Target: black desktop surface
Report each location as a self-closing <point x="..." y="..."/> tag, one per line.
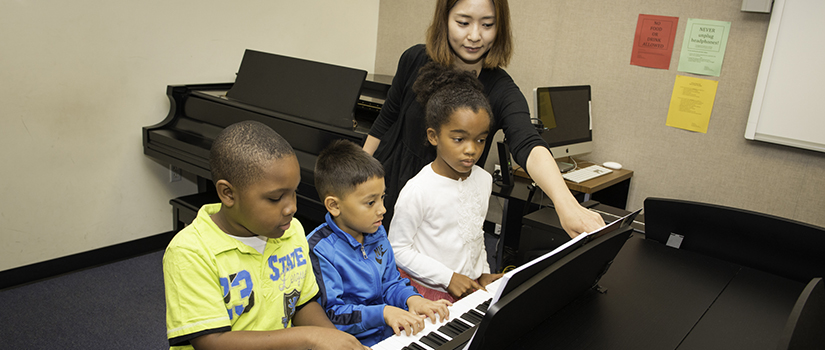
<point x="660" y="297"/>
<point x="750" y="314"/>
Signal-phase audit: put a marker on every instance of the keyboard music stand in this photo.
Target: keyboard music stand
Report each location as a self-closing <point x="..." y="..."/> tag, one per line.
<point x="538" y="291"/>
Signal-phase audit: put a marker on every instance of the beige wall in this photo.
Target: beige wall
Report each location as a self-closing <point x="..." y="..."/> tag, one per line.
<point x="81" y="78"/>
<point x="571" y="42"/>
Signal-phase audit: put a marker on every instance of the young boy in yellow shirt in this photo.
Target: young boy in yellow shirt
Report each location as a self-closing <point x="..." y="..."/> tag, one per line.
<point x="360" y="285"/>
<point x="239" y="276"/>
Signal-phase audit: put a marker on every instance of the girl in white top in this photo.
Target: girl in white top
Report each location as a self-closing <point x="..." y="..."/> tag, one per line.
<point x="437" y="234"/>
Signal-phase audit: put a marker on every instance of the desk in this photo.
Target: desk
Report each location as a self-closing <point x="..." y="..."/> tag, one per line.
<point x="664" y="298"/>
<point x="612" y="188"/>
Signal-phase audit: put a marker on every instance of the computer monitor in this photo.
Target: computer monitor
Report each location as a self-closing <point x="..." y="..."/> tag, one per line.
<point x="564" y="112"/>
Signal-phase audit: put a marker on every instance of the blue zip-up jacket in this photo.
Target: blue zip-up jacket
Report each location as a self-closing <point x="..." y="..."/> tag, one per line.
<point x="356" y="281"/>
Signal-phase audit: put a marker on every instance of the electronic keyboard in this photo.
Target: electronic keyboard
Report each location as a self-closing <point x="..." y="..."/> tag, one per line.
<point x="465" y="315"/>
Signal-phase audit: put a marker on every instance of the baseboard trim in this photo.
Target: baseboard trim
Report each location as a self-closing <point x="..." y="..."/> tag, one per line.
<point x="50" y="268"/>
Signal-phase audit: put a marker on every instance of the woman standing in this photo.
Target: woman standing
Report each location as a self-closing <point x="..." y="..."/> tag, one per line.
<point x="470" y="35"/>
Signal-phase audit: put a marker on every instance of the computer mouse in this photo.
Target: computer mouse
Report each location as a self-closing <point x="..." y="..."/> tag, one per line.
<point x="612" y="165"/>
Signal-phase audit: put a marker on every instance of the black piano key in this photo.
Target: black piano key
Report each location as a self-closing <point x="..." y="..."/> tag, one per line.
<point x="480" y="315"/>
<point x="432" y="342"/>
<point x="461" y="326"/>
<point x="464" y="323"/>
<point x="484" y="306"/>
<point x="448" y="331"/>
<point x="414" y="346"/>
<point x="475" y="315"/>
<point x="471" y="318"/>
<point x="456" y="329"/>
<point x="460" y="341"/>
<point x="441" y="339"/>
<point x="467" y="318"/>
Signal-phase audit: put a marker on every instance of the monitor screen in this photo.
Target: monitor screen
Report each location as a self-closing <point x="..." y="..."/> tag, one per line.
<point x="565" y="113"/>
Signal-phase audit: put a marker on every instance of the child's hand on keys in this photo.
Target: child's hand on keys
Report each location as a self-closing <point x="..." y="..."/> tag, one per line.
<point x="400" y="319"/>
<point x="461" y="286"/>
<point x="429" y="308"/>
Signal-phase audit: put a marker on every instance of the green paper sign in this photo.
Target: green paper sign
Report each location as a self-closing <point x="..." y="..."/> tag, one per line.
<point x="704" y="46"/>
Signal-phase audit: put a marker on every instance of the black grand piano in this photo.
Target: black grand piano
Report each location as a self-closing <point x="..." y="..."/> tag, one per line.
<point x="309" y="103"/>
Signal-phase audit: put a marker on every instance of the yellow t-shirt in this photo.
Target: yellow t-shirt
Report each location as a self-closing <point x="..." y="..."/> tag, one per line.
<point x="215" y="283"/>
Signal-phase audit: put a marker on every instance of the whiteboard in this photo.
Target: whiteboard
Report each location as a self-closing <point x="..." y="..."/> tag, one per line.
<point x="788" y="105"/>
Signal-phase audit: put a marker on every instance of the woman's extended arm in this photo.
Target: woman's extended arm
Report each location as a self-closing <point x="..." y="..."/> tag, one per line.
<point x="575" y="219"/>
<point x="371" y="144"/>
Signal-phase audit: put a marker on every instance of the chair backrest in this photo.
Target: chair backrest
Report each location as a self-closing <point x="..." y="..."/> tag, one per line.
<point x="769" y="243"/>
<point x="804" y="327"/>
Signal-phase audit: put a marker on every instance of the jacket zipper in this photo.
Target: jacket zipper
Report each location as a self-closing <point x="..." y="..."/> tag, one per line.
<point x="377" y="275"/>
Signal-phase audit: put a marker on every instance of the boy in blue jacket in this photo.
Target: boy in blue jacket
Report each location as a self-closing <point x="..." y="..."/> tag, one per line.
<point x="360" y="286"/>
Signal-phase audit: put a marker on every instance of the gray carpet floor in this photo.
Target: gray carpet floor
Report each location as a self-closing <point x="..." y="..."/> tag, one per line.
<point x="114" y="306"/>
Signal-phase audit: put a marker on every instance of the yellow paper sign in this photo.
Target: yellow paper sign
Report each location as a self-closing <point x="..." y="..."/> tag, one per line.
<point x="691" y="103"/>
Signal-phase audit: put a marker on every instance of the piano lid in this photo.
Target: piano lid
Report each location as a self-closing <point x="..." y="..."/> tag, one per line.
<point x="313" y="90"/>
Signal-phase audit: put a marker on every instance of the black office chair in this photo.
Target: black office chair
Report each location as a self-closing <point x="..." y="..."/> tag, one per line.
<point x="804" y="327"/>
<point x="764" y="242"/>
